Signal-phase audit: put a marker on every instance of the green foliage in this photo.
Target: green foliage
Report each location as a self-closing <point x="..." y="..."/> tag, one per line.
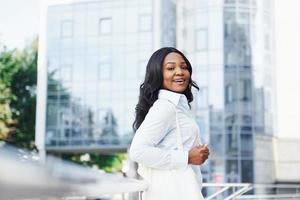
<point x="8" y="67"/>
<point x="108" y="163"/>
<point x="23" y="87"/>
<point x="18" y="75"/>
<point x="7" y="71"/>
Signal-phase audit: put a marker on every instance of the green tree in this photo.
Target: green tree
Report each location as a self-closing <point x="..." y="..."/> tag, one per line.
<point x="7" y="71"/>
<point x="23" y="88"/>
<point x="18" y="75"/>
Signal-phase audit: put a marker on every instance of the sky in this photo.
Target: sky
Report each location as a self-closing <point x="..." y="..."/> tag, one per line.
<point x="19" y="21"/>
<point x="287" y="41"/>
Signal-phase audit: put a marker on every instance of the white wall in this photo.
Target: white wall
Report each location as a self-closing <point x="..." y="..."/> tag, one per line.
<point x="276" y="160"/>
<point x="287" y="160"/>
<point x="264" y="164"/>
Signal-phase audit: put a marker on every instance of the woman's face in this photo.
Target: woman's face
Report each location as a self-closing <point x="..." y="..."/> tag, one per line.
<point x="175" y="73"/>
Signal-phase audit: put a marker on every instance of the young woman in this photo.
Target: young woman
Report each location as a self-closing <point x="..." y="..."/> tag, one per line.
<point x="163" y="121"/>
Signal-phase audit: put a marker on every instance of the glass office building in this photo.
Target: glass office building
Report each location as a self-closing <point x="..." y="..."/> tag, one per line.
<point x="95" y="53"/>
<point x="230" y="44"/>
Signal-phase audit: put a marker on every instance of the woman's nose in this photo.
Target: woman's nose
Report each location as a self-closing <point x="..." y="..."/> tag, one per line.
<point x="178" y="71"/>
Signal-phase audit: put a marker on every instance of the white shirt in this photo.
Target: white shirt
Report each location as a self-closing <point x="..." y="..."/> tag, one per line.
<point x="154" y="144"/>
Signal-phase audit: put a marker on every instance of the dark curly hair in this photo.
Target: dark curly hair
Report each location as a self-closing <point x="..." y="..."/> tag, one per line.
<point x="154" y="82"/>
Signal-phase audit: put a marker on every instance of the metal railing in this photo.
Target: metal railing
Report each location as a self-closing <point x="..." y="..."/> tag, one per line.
<point x="225" y="191"/>
<point x="272" y="191"/>
<point x="236" y="191"/>
<point x="23" y="176"/>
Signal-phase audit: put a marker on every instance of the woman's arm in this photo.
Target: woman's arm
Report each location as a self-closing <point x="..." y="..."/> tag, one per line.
<point x="154" y="128"/>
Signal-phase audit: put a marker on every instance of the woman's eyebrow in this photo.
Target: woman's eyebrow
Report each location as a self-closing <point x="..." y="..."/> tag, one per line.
<point x="171" y="62"/>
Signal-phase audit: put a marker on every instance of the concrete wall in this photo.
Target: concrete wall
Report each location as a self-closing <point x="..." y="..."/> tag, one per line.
<point x="264" y="162"/>
<point x="287" y="159"/>
<point x="276" y="160"/>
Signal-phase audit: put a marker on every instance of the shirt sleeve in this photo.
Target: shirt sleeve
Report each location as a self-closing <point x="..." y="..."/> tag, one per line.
<point x="154" y="128"/>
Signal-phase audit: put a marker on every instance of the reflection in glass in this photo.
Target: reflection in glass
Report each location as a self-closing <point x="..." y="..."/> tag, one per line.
<point x="233" y="60"/>
<point x="86" y="51"/>
<point x="228" y="94"/>
<point x="231" y="145"/>
<point x="52" y="114"/>
<point x="247" y="171"/>
<point x="246" y="86"/>
<point x="232" y="171"/>
<point x="216" y="145"/>
<point x="246" y="145"/>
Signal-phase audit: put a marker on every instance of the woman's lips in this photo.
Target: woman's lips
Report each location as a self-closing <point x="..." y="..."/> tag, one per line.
<point x="179" y="81"/>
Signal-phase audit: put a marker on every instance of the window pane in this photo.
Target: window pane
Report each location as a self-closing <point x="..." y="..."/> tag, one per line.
<point x="232" y="171"/>
<point x="105" y="25"/>
<point x="244" y="2"/>
<point x="247" y="171"/>
<point x="104" y="71"/>
<point x="66" y="72"/>
<point x="52" y="114"/>
<point x="142" y="68"/>
<point x="231" y="145"/>
<point x="267" y="42"/>
<point x="66" y="29"/>
<point x="246" y="145"/>
<point x="246" y="90"/>
<point x="216" y="142"/>
<point x="228" y="94"/>
<point x="201" y="39"/>
<point x="229" y="1"/>
<point x="202" y="98"/>
<point x="145" y="23"/>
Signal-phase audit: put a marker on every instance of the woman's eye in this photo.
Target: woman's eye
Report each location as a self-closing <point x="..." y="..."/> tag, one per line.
<point x="184" y="67"/>
<point x="170" y="68"/>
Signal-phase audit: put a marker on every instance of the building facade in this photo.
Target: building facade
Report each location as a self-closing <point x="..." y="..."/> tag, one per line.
<point x="230" y="44"/>
<point x="93" y="56"/>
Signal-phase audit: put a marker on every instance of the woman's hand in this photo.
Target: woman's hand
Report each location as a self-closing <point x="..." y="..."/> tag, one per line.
<point x="198" y="155"/>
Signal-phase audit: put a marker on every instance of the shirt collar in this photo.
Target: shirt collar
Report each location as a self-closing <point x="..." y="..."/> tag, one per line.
<point x="171" y="96"/>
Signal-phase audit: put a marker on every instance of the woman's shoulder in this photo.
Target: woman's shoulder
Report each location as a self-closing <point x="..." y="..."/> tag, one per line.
<point x="163" y="102"/>
<point x="163" y="105"/>
<point x="161" y="110"/>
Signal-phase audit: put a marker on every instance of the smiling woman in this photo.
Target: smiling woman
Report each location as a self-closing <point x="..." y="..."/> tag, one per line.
<point x="166" y="144"/>
<point x="164" y="67"/>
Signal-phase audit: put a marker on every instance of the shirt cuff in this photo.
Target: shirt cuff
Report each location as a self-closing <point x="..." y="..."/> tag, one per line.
<point x="179" y="159"/>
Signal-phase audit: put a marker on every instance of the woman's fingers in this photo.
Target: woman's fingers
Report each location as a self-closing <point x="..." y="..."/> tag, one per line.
<point x="198" y="155"/>
<point x="203" y="150"/>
